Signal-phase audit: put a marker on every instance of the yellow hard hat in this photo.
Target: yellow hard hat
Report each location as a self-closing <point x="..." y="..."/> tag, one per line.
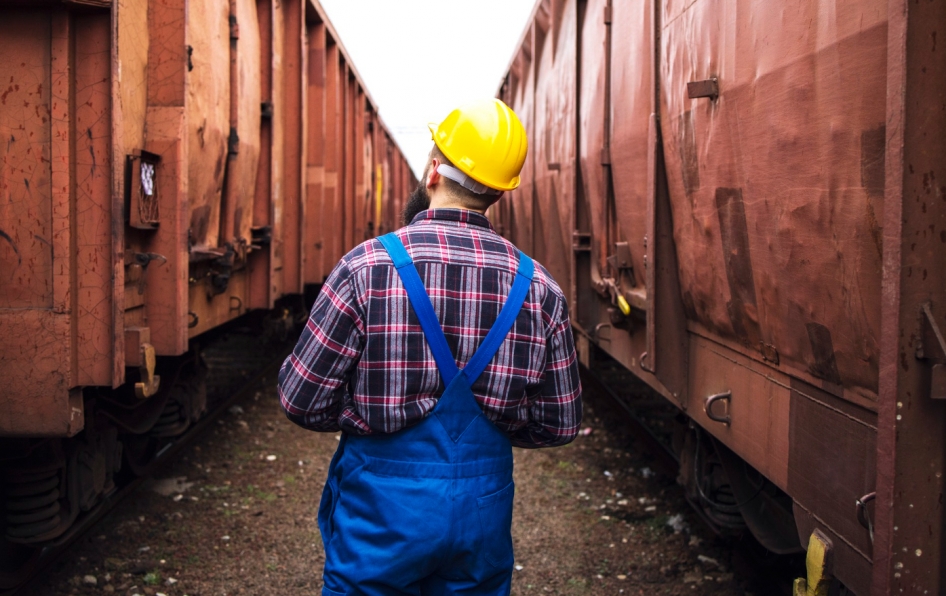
<point x="486" y="141"/>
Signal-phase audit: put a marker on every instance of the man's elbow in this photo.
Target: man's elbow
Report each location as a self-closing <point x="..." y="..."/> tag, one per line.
<point x="541" y="437"/>
<point x="294" y="416"/>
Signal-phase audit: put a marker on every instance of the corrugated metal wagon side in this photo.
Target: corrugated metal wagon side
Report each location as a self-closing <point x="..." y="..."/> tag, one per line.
<point x="752" y="235"/>
<point x="160" y="162"/>
<point x="166" y="166"/>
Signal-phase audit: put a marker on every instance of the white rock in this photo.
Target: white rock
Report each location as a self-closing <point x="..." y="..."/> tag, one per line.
<point x="90" y="580"/>
<point x="677" y="523"/>
<point x="270" y="458"/>
<point x="236" y="410"/>
<point x="708" y="561"/>
<point x="170" y="486"/>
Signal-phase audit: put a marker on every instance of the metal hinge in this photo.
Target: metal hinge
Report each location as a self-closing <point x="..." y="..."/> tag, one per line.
<point x="607" y="13"/>
<point x="233" y="142"/>
<point x="606" y="156"/>
<point x="234" y="27"/>
<point x="581" y="242"/>
<point x="620" y="259"/>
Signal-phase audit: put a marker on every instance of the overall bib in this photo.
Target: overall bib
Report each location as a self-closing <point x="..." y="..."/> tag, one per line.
<point x="426" y="510"/>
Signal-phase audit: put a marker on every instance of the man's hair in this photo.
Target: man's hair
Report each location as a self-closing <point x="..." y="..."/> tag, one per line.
<point x="466" y="197"/>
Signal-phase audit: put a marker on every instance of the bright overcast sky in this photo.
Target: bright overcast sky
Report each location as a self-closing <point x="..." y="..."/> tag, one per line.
<point x="421" y="58"/>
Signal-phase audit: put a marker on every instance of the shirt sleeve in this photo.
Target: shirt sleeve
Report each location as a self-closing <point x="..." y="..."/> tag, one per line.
<point x="555" y="413"/>
<point x="313" y="381"/>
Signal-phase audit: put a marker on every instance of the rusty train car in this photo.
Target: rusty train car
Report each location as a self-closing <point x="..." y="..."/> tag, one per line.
<point x="745" y="202"/>
<point x="166" y="167"/>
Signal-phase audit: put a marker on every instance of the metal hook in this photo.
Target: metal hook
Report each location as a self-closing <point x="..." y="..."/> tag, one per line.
<point x="708" y="407"/>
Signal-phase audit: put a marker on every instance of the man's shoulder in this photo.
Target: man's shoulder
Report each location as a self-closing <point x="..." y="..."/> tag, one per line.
<point x="366" y="255"/>
<point x="548" y="283"/>
<point x="371" y="253"/>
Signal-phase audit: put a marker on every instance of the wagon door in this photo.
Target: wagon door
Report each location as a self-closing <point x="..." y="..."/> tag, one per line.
<point x="628" y="298"/>
<point x="772" y="117"/>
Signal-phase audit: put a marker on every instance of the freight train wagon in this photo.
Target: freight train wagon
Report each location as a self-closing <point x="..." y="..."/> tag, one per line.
<point x="165" y="167"/>
<point x="745" y="201"/>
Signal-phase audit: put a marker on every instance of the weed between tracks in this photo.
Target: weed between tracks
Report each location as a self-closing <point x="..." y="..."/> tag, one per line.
<point x="590" y="518"/>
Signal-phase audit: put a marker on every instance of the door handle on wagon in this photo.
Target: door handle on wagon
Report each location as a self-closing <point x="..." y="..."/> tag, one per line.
<point x="708" y="407"/>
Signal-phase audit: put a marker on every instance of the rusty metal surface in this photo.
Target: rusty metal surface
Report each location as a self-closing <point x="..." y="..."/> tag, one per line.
<point x="758" y="410"/>
<point x="909" y="555"/>
<point x="831" y="464"/>
<point x="242" y="168"/>
<point x="209" y="96"/>
<point x="208" y="115"/>
<point x="777" y="184"/>
<point x="26" y="254"/>
<point x="320" y="223"/>
<point x="553" y="144"/>
<point x="293" y="149"/>
<point x="95" y="325"/>
<point x="740" y="178"/>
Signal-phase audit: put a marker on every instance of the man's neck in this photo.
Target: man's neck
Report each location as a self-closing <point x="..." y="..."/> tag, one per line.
<point x="446" y="202"/>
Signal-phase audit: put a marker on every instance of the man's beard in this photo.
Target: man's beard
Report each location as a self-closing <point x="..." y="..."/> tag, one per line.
<point x="418" y="201"/>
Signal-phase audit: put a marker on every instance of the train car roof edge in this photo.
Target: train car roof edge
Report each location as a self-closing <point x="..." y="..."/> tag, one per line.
<point x="518" y="50"/>
<point x="321" y="14"/>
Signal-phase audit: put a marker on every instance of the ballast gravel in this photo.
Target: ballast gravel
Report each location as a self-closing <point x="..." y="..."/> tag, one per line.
<point x="236" y="514"/>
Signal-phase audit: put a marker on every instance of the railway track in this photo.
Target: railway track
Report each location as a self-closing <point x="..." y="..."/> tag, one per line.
<point x="635" y="419"/>
<point x="238" y="362"/>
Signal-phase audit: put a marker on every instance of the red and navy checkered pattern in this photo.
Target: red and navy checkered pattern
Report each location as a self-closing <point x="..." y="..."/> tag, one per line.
<point x="363" y="365"/>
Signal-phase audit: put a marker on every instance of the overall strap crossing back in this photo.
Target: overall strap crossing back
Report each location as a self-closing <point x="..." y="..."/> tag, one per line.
<point x="420" y="301"/>
<point x="417" y="294"/>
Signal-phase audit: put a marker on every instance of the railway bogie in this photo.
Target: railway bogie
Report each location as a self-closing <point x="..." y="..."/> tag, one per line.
<point x="166" y="168"/>
<point x="730" y="192"/>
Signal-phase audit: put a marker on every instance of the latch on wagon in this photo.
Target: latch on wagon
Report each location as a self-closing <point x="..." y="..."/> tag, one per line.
<point x="141" y="192"/>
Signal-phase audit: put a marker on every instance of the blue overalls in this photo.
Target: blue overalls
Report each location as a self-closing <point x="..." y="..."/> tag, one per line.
<point x="426" y="510"/>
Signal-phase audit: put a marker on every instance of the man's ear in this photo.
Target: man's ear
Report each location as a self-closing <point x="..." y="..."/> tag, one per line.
<point x="433" y="176"/>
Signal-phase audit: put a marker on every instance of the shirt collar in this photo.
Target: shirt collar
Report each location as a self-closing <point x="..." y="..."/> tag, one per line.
<point x="463" y="216"/>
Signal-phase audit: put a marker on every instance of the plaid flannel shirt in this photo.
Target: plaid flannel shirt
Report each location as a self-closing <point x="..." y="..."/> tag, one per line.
<point x="362" y="364"/>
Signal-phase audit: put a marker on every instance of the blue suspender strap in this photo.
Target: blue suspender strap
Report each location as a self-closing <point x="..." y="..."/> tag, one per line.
<point x="507" y="316"/>
<point x="424" y="310"/>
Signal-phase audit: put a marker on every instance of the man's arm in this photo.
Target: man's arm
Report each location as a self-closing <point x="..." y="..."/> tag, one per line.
<point x="313" y="381"/>
<point x="555" y="414"/>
